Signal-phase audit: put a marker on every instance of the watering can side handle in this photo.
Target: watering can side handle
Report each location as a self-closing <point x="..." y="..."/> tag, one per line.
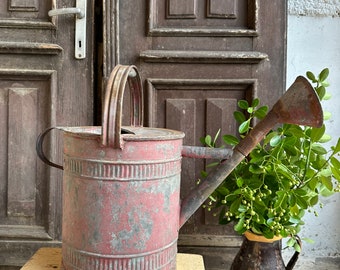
<point x="113" y="103"/>
<point x="40" y="150"/>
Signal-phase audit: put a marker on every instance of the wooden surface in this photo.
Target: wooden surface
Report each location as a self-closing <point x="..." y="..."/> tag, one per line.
<point x="50" y="258"/>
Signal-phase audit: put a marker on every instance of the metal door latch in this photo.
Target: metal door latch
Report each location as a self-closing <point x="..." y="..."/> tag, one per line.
<point x="80" y="26"/>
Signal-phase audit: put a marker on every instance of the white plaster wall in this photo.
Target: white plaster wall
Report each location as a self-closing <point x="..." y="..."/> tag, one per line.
<point x="314" y="7"/>
<point x="313" y="43"/>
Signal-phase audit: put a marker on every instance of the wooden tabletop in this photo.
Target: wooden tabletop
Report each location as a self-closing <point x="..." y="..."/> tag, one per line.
<point x="50" y="258"/>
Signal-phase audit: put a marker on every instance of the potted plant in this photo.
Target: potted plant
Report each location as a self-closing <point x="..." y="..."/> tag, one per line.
<point x="269" y="192"/>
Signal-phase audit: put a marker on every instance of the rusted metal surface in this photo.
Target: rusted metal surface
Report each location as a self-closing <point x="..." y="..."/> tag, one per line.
<point x="121" y="206"/>
<point x="121" y="191"/>
<point x="113" y="105"/>
<point x="205" y="152"/>
<point x="299" y="105"/>
<point x="261" y="256"/>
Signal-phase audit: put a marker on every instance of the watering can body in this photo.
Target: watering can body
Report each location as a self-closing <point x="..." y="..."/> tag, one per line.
<point x="121" y="207"/>
<point x="121" y="185"/>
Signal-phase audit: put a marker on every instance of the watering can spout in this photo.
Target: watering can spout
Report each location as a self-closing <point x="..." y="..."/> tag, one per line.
<point x="299" y="105"/>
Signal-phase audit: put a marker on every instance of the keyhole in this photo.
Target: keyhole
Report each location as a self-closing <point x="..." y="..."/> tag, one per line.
<point x="79" y="43"/>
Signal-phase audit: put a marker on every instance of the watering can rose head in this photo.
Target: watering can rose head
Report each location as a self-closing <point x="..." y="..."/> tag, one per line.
<point x="269" y="192"/>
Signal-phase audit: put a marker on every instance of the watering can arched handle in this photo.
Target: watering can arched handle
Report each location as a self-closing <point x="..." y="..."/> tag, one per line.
<point x="113" y="104"/>
<point x="112" y="112"/>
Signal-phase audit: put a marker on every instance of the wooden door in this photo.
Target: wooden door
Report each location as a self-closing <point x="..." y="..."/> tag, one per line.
<point x="41" y="85"/>
<point x="197" y="58"/>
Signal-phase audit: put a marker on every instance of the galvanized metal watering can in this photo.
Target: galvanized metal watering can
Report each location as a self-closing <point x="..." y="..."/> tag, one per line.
<point x="121" y="185"/>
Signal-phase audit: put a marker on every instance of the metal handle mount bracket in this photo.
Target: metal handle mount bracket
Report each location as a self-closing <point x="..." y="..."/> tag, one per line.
<point x="80" y="26"/>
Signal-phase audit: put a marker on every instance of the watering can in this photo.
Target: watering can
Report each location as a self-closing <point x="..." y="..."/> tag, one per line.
<point x="121" y="184"/>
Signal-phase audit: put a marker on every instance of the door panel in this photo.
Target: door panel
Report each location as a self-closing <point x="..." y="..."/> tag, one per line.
<point x="200" y="18"/>
<point x="41" y="85"/>
<point x="197" y="59"/>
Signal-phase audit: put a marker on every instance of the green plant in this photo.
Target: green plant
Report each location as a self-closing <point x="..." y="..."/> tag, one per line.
<point x="283" y="177"/>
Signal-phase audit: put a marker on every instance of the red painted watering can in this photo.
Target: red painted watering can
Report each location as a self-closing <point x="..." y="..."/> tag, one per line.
<point x="121" y="185"/>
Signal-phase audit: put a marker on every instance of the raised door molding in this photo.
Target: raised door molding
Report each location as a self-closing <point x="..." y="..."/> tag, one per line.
<point x="203" y="18"/>
<point x="212" y="57"/>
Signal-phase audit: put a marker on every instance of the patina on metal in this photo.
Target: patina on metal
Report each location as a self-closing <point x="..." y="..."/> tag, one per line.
<point x="262" y="254"/>
<point x="121" y="184"/>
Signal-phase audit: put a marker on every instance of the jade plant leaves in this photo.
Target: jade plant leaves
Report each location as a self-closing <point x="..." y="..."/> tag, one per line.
<point x="282" y="177"/>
